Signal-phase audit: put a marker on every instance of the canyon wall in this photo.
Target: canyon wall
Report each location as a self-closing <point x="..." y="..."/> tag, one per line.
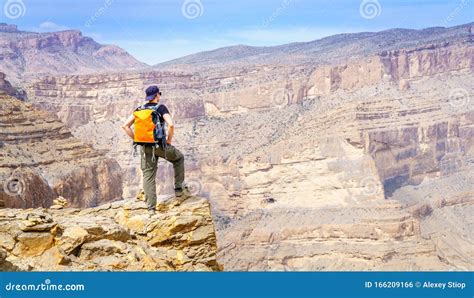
<point x="297" y="203"/>
<point x="355" y="166"/>
<point x="7" y="88"/>
<point x="396" y="66"/>
<point x="94" y="107"/>
<point x="93" y="104"/>
<point x="41" y="160"/>
<point x="223" y="91"/>
<point x="78" y="100"/>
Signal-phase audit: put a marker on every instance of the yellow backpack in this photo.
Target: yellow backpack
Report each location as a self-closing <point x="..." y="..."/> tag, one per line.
<point x="148" y="129"/>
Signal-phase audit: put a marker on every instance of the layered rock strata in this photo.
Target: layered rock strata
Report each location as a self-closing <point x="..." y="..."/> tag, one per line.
<point x="41" y="160"/>
<point x="118" y="236"/>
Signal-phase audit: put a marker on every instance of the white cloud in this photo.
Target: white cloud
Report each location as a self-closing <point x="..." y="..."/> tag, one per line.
<point x="50" y="27"/>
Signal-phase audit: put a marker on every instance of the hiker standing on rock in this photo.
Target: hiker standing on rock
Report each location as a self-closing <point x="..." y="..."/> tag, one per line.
<point x="149" y="132"/>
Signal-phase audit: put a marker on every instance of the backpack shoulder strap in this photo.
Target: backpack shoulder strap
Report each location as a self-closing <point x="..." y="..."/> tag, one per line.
<point x="155" y="108"/>
<point x="141" y="107"/>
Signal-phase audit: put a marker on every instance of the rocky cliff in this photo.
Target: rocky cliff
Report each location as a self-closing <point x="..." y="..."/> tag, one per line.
<point x="8" y="28"/>
<point x="7" y="88"/>
<point x="94" y="107"/>
<point x="80" y="99"/>
<point x="41" y="160"/>
<point x="375" y="149"/>
<point x="28" y="54"/>
<point x="224" y="91"/>
<point x="118" y="236"/>
<point x="89" y="104"/>
<point x="354" y="163"/>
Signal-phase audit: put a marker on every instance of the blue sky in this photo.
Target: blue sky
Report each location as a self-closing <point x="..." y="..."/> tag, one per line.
<point x="160" y="30"/>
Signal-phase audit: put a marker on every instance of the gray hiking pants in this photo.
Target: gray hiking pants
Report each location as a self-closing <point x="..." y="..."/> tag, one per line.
<point x="149" y="164"/>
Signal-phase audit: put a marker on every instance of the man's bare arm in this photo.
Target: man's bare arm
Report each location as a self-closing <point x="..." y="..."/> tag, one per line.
<point x="169" y="121"/>
<point x="127" y="126"/>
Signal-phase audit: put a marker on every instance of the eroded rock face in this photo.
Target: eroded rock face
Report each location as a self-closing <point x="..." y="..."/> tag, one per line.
<point x="395" y="66"/>
<point x="8" y="28"/>
<point x="78" y="100"/>
<point x="113" y="237"/>
<point x="323" y="165"/>
<point x="4" y="264"/>
<point x="27" y="54"/>
<point x="41" y="160"/>
<point x="396" y="154"/>
<point x="8" y="89"/>
<point x="95" y="105"/>
<point x="5" y="86"/>
<point x="373" y="234"/>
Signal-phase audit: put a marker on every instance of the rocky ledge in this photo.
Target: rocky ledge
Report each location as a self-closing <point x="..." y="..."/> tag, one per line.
<point x="118" y="236"/>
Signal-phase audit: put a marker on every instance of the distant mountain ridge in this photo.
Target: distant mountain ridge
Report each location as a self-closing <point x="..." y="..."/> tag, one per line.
<point x="327" y="50"/>
<point x="28" y="54"/>
<point x="24" y="54"/>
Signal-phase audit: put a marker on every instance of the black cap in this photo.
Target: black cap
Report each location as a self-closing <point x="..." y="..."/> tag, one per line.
<point x="151" y="92"/>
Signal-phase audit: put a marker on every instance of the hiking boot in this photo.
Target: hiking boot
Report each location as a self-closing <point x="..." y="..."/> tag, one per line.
<point x="182" y="192"/>
<point x="151" y="212"/>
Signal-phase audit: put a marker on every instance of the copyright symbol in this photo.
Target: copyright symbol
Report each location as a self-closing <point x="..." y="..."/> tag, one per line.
<point x="14" y="186"/>
<point x="418" y="284"/>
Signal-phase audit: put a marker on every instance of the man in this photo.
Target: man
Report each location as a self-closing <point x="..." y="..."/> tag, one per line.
<point x="151" y="152"/>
